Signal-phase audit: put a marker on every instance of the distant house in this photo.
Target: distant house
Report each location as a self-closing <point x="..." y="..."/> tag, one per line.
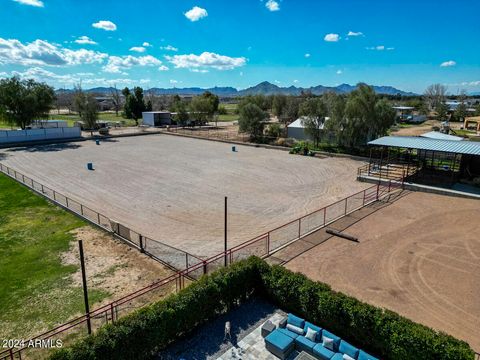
<point x="406" y="114"/>
<point x="157" y="118"/>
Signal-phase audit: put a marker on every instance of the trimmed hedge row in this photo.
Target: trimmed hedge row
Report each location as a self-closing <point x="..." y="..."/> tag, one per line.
<point x="378" y="331"/>
<point x="151" y="329"/>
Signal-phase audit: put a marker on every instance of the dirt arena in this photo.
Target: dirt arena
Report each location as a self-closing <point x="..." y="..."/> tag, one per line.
<point x="418" y="256"/>
<point x="172" y="188"/>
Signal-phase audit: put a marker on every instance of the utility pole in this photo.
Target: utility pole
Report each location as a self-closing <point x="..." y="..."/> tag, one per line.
<point x="85" y="290"/>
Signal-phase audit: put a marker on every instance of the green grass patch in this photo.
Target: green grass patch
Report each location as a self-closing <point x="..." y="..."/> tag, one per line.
<point x="36" y="291"/>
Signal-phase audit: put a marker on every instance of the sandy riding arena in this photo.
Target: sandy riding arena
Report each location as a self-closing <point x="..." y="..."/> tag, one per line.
<point x="418" y="256"/>
<point x="172" y="188"/>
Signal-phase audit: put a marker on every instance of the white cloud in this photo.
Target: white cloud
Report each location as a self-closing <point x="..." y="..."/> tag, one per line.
<point x="139" y="49"/>
<point x="380" y="48"/>
<point x="272" y="5"/>
<point x="201" y="71"/>
<point x="448" y="63"/>
<point x="117" y="64"/>
<point x="169" y="48"/>
<point x="105" y="25"/>
<point x="41" y="52"/>
<point x="146" y="44"/>
<point x="85" y="40"/>
<point x="332" y="37"/>
<point x="339" y="72"/>
<point x="307" y="55"/>
<point x="144" y="81"/>
<point x="173" y="82"/>
<point x="196" y="13"/>
<point x="40" y="74"/>
<point x="353" y="33"/>
<point x="36" y="3"/>
<point x="163" y="68"/>
<point x="296" y="81"/>
<point x="206" y="60"/>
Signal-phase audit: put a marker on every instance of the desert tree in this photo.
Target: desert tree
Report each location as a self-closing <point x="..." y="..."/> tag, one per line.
<point x="252" y="120"/>
<point x="116" y="99"/>
<point x="434" y="95"/>
<point x="23" y="101"/>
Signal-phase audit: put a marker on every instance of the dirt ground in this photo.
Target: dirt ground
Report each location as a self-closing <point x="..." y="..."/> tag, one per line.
<point x="172" y="188"/>
<point x="418" y="256"/>
<point x="112" y="265"/>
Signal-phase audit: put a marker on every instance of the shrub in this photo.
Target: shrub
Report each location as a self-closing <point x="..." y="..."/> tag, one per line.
<point x="151" y="329"/>
<point x="376" y="330"/>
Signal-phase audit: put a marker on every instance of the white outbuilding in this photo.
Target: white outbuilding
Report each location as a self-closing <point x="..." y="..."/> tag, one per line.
<point x="157" y="118"/>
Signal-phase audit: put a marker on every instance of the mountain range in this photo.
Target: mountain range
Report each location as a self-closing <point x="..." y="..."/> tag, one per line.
<point x="264" y="88"/>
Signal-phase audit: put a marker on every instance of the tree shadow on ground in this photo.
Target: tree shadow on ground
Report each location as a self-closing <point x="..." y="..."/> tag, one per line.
<point x="208" y="341"/>
<point x="46" y="148"/>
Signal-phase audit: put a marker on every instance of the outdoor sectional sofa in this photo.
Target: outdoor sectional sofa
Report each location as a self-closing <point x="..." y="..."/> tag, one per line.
<point x="296" y="333"/>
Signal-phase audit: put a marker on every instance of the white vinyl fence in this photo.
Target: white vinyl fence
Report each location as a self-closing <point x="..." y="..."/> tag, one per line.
<point x="19" y="136"/>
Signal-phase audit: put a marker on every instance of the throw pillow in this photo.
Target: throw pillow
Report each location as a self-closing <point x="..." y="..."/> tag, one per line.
<point x="347" y="357"/>
<point x="295" y="329"/>
<point x="311" y="334"/>
<point x="328" y="343"/>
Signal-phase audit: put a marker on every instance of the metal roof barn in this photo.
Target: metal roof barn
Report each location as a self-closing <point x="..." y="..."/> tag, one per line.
<point x="448" y="146"/>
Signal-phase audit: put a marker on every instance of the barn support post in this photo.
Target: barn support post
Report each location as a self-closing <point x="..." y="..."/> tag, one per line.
<point x="381" y="163"/>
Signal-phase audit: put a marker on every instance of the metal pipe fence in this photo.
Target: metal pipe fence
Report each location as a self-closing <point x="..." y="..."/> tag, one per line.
<point x="170" y="256"/>
<point x="192" y="267"/>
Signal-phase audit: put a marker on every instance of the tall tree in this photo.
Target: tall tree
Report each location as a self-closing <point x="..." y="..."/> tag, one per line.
<point x="314" y="112"/>
<point x="134" y="103"/>
<point x="116" y="99"/>
<point x="434" y="95"/>
<point x="461" y="111"/>
<point x="180" y="108"/>
<point x="252" y="120"/>
<point x="442" y="111"/>
<point x="90" y="112"/>
<point x="366" y="117"/>
<point x="22" y="101"/>
<point x="279" y="104"/>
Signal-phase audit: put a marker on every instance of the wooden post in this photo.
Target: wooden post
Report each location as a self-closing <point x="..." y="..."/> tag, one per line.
<point x="85" y="290"/>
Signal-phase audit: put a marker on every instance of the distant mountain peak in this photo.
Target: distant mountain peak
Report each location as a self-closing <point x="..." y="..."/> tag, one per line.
<point x="264" y="88"/>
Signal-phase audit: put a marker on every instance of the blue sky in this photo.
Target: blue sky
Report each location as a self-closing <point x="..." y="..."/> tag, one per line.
<point x="163" y="43"/>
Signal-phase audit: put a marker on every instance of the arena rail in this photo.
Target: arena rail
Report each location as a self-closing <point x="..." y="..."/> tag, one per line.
<point x="263" y="246"/>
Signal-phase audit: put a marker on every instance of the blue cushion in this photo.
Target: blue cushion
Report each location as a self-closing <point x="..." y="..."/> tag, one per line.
<point x="295" y="320"/>
<point x="337" y="356"/>
<point x="322" y="352"/>
<point x="336" y="339"/>
<point x="315" y="328"/>
<point x="362" y="355"/>
<point x="279" y="340"/>
<point x="348" y="349"/>
<point x="302" y="343"/>
<point x="288" y="333"/>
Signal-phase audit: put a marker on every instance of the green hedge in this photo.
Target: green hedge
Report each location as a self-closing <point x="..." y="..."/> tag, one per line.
<point x="381" y="332"/>
<point x="151" y="329"/>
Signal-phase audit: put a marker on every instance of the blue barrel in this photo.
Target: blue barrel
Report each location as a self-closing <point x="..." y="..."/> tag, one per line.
<point x="97" y="142"/>
<point x="234" y="149"/>
<point x="90" y="166"/>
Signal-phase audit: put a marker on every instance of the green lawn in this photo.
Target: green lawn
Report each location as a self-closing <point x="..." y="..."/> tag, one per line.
<point x="230" y="116"/>
<point x="36" y="291"/>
